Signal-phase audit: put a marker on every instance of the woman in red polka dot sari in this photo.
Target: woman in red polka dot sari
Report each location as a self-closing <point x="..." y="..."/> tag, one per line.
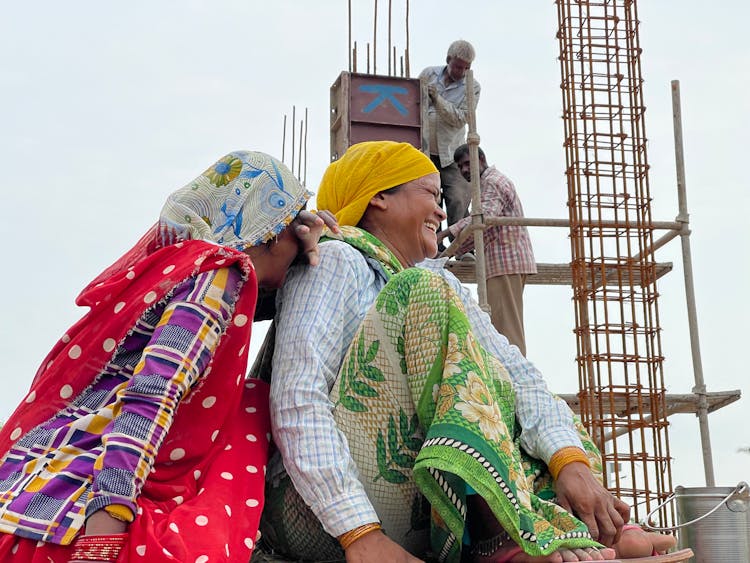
<point x="141" y="439"/>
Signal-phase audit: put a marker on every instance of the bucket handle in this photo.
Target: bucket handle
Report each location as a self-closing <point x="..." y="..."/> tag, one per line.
<point x="739" y="489"/>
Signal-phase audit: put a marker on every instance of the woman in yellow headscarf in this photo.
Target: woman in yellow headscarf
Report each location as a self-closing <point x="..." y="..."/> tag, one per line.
<point x="366" y="170"/>
<point x="396" y="407"/>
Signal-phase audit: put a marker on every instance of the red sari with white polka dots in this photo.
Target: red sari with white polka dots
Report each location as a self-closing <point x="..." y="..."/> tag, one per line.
<point x="204" y="505"/>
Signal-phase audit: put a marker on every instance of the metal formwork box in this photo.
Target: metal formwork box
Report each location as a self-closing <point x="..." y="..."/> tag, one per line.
<point x="368" y="107"/>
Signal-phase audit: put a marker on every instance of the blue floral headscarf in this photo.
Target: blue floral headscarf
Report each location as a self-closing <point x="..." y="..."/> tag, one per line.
<point x="243" y="200"/>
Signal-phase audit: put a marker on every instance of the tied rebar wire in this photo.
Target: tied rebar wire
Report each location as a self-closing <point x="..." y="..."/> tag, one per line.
<point x="611" y="233"/>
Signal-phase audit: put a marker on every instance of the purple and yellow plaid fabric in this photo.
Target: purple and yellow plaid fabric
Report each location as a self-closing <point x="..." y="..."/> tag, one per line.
<point x="113" y="429"/>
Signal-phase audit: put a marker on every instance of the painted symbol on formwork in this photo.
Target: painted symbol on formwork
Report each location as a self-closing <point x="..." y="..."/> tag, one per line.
<point x="384" y="93"/>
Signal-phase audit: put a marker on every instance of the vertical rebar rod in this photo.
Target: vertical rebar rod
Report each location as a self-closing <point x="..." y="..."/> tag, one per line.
<point x="687" y="261"/>
<point x="304" y="175"/>
<point x="294" y="121"/>
<point x="283" y="141"/>
<point x="406" y="51"/>
<point x="349" y="4"/>
<point x="299" y="158"/>
<point x="390" y="7"/>
<point x="375" y="41"/>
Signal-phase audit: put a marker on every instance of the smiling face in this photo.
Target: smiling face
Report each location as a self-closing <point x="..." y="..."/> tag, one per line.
<point x="407" y="219"/>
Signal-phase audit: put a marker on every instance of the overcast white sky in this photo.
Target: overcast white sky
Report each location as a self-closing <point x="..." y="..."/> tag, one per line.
<point x="108" y="107"/>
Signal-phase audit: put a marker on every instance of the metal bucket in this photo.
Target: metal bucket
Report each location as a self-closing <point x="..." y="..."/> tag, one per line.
<point x="714" y="522"/>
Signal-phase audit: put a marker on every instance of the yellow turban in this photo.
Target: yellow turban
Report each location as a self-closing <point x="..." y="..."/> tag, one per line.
<point x="366" y="169"/>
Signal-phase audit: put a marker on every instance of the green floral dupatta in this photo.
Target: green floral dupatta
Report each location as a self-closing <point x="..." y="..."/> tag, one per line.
<point x="427" y="412"/>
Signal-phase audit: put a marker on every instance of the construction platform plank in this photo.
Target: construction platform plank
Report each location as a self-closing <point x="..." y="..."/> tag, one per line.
<point x="627" y="403"/>
<point x="675" y="557"/>
<point x="547" y="274"/>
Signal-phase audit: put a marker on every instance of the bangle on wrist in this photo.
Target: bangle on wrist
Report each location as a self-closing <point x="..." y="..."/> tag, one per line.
<point x="564" y="456"/>
<point x="120" y="512"/>
<point x="99" y="547"/>
<point x="351" y="536"/>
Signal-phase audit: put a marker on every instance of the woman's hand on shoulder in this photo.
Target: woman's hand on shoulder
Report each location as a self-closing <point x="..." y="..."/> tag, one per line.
<point x="308" y="228"/>
<point x="329" y="219"/>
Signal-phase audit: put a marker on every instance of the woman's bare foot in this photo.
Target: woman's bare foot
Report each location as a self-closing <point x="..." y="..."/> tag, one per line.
<point x="511" y="553"/>
<point x="636" y="542"/>
<point x="483" y="524"/>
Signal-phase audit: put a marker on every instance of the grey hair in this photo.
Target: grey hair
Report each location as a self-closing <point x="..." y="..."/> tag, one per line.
<point x="462" y="49"/>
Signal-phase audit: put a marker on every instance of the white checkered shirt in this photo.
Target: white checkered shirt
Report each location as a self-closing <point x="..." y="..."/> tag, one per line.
<point x="319" y="311"/>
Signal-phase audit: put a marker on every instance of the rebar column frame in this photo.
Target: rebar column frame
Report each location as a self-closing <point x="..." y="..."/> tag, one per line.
<point x="611" y="235"/>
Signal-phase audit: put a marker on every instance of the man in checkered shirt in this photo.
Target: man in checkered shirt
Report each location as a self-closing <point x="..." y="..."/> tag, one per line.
<point x="508" y="252"/>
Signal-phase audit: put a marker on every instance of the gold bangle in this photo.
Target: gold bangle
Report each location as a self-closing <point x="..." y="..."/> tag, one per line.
<point x="351" y="536"/>
<point x="563" y="457"/>
<point x="120" y="512"/>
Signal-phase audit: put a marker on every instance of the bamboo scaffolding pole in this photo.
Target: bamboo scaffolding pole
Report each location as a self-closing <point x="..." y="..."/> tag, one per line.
<point x="674" y="226"/>
<point x="477" y="218"/>
<point x="687" y="261"/>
